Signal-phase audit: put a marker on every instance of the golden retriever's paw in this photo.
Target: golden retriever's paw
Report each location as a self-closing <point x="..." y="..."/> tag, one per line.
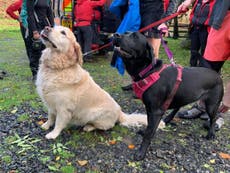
<point x="88" y="128"/>
<point x="45" y="126"/>
<point x="161" y="125"/>
<point x="52" y="135"/>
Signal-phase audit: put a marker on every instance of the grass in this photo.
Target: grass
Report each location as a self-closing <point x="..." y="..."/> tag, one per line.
<point x="17" y="89"/>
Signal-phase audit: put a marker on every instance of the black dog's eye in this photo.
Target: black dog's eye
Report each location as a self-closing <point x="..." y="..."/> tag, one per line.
<point x="63" y="32"/>
<point x="135" y="36"/>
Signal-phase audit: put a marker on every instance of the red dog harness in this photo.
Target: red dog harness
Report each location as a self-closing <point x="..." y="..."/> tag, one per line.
<point x="141" y="86"/>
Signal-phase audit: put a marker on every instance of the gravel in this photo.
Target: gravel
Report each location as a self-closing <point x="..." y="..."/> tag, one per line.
<point x="179" y="148"/>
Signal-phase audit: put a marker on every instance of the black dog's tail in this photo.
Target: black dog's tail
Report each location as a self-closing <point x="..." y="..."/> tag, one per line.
<point x="136" y="120"/>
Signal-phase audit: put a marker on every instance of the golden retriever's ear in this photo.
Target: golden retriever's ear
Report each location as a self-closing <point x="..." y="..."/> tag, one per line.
<point x="77" y="49"/>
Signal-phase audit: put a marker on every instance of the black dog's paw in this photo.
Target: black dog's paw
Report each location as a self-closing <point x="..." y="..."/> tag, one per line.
<point x="139" y="156"/>
<point x="210" y="136"/>
<point x="141" y="132"/>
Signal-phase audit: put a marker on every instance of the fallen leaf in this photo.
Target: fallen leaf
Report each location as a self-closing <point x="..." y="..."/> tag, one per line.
<point x="224" y="155"/>
<point x="57" y="158"/>
<point x="212" y="161"/>
<point x="131" y="146"/>
<point x="12" y="171"/>
<point x="40" y="122"/>
<point x="82" y="162"/>
<point x="176" y="119"/>
<point x="14" y="111"/>
<point x="112" y="142"/>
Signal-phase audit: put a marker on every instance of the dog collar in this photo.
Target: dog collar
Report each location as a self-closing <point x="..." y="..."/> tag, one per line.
<point x="143" y="72"/>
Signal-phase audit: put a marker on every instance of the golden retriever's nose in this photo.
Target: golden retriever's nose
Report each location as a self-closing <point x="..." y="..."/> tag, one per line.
<point x="47" y="28"/>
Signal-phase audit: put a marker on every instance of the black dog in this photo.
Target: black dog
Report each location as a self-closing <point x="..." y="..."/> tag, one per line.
<point x="196" y="83"/>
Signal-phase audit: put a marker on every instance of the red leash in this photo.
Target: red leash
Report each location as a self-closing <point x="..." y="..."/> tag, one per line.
<point x="161" y="21"/>
<point x="141" y="30"/>
<point x="104" y="46"/>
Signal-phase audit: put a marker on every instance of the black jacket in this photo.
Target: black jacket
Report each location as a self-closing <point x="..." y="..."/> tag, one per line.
<point x="220" y="10"/>
<point x="172" y="6"/>
<point x="43" y="11"/>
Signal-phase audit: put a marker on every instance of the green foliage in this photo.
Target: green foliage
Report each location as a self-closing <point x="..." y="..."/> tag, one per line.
<point x="67" y="169"/>
<point x="6" y="159"/>
<point x="25" y="143"/>
<point x="45" y="159"/>
<point x="23" y="117"/>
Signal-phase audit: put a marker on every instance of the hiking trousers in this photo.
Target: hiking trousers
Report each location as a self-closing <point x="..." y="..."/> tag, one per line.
<point x="84" y="36"/>
<point x="199" y="35"/>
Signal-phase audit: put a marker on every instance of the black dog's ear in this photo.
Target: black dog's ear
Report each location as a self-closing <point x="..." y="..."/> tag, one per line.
<point x="150" y="54"/>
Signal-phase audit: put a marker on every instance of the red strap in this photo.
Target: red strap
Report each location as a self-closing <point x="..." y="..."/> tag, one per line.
<point x="141" y="86"/>
<point x="166" y="4"/>
<point x="161" y="21"/>
<point x="174" y="90"/>
<point x="143" y="72"/>
<point x="141" y="30"/>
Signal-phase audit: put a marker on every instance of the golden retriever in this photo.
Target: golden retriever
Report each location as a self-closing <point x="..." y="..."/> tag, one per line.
<point x="70" y="93"/>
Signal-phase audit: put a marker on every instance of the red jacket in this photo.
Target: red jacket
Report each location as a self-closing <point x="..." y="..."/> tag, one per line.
<point x="16" y="6"/>
<point x="83" y="11"/>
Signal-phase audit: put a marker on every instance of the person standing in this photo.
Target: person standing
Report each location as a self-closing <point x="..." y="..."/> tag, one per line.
<point x="39" y="15"/>
<point x="14" y="11"/>
<point x="83" y="12"/>
<point x="217" y="50"/>
<point x="152" y="11"/>
<point x="129" y="13"/>
<point x="199" y="21"/>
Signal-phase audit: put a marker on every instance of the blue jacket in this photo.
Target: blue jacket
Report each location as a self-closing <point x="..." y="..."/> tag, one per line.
<point x="130" y="22"/>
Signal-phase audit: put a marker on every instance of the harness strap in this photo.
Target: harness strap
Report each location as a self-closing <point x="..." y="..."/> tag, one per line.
<point x="174" y="90"/>
<point x="141" y="86"/>
<point x="143" y="72"/>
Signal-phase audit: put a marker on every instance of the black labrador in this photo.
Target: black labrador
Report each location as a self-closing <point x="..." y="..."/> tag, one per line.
<point x="197" y="83"/>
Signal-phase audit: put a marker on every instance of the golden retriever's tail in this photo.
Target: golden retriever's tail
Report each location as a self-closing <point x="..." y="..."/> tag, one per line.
<point x="136" y="120"/>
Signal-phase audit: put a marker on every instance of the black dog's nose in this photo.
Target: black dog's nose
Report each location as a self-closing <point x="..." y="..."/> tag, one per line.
<point x="116" y="35"/>
<point x="116" y="39"/>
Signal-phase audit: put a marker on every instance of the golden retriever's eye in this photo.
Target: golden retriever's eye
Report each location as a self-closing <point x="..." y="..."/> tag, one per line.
<point x="63" y="32"/>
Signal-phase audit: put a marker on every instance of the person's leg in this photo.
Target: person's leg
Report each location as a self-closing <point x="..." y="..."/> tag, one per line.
<point x="87" y="37"/>
<point x="36" y="53"/>
<point x="156" y="43"/>
<point x="25" y="38"/>
<point x="35" y="48"/>
<point x="195" y="46"/>
<point x="79" y="37"/>
<point x="214" y="65"/>
<point x="203" y="36"/>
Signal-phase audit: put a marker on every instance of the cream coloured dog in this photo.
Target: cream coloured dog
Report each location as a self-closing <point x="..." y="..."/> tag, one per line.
<point x="70" y="93"/>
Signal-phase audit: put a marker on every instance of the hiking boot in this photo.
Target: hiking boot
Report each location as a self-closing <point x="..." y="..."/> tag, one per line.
<point x="204" y="116"/>
<point x="219" y="123"/>
<point x="192" y="113"/>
